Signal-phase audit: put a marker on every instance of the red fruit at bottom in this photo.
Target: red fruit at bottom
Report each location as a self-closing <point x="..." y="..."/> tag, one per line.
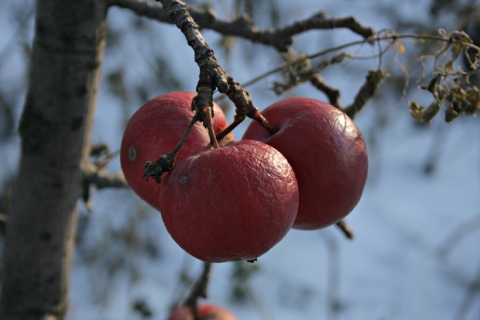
<point x="205" y="312"/>
<point x="231" y="203"/>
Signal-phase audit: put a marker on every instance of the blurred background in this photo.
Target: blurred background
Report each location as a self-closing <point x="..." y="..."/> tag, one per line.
<point x="417" y="227"/>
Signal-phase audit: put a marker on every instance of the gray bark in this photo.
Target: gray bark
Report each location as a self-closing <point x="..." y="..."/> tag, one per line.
<point x="55" y="129"/>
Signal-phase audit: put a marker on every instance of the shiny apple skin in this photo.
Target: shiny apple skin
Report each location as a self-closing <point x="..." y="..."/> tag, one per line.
<point x="232" y="203"/>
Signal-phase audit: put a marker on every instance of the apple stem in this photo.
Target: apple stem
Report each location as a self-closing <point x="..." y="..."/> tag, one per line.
<point x="257" y="116"/>
<point x="238" y="118"/>
<point x="207" y="123"/>
<point x="165" y="163"/>
<point x="185" y="134"/>
<point x="236" y="121"/>
<point x="345" y="228"/>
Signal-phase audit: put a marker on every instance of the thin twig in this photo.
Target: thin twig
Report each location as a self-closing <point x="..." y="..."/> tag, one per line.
<point x="333" y="279"/>
<point x="346" y="230"/>
<point x="332" y="94"/>
<point x="366" y="92"/>
<point x="464" y="230"/>
<point x="165" y="163"/>
<point x="306" y="71"/>
<point x="102" y="179"/>
<point x="390" y="37"/>
<point x="200" y="288"/>
<point x="468" y="300"/>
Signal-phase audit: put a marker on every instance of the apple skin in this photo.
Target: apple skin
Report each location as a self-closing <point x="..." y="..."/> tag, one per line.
<point x="327" y="153"/>
<point x="155" y="130"/>
<point x="231" y="203"/>
<point x="205" y="312"/>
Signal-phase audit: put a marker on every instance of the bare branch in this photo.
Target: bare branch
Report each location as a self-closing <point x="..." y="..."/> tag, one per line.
<point x="104" y="179"/>
<point x="346" y="230"/>
<point x="200" y="288"/>
<point x="332" y="93"/>
<point x="153" y="10"/>
<point x="280" y="38"/>
<point x="212" y="75"/>
<point x="366" y="92"/>
<point x="319" y="21"/>
<point x="301" y="70"/>
<point x="469" y="299"/>
<point x="464" y="230"/>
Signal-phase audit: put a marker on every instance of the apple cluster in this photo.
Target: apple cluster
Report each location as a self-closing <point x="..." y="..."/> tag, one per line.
<point x="237" y="201"/>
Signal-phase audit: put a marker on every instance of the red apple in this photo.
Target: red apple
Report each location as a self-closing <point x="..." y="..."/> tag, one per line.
<point x="327" y="153"/>
<point x="205" y="312"/>
<point x="231" y="203"/>
<point x="154" y="130"/>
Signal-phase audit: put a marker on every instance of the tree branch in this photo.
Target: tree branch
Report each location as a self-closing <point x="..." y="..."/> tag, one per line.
<point x="104" y="179"/>
<point x="333" y="94"/>
<point x="190" y="19"/>
<point x="366" y="92"/>
<point x="320" y="21"/>
<point x="302" y="70"/>
<point x="243" y="26"/>
<point x="345" y="228"/>
<point x="200" y="288"/>
<point x="212" y="75"/>
<point x="153" y="10"/>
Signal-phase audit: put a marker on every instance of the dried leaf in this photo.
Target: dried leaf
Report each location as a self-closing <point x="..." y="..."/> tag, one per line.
<point x="416" y="110"/>
<point x="456" y="49"/>
<point x="421" y="114"/>
<point x="449" y="66"/>
<point x="431" y="111"/>
<point x="450" y="114"/>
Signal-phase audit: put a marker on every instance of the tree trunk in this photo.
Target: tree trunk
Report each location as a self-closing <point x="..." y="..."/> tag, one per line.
<point x="55" y="129"/>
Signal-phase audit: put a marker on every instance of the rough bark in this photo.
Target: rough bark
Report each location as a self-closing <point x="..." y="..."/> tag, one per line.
<point x="55" y="129"/>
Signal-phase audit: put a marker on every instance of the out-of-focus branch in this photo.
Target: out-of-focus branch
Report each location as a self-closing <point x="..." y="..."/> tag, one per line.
<point x="103" y="179"/>
<point x="94" y="175"/>
<point x="332" y="94"/>
<point x="280" y="38"/>
<point x="150" y="9"/>
<point x="468" y="301"/>
<point x="461" y="232"/>
<point x="320" y="21"/>
<point x="366" y="92"/>
<point x="199" y="290"/>
<point x="346" y="230"/>
<point x="302" y="70"/>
